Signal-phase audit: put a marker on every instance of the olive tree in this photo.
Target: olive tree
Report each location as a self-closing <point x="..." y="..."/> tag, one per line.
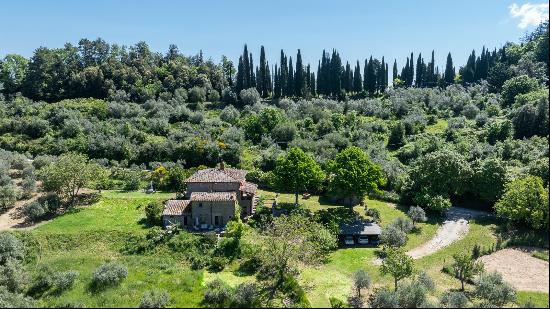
<point x="417" y="214"/>
<point x="465" y="268"/>
<point x="69" y="175"/>
<point x="397" y="264"/>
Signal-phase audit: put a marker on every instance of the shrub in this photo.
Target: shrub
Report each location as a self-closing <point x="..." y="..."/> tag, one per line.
<point x="392" y="236"/>
<point x="517" y="85"/>
<point x="12" y="276"/>
<point x="336" y="303"/>
<point x="454" y="300"/>
<point x="411" y="295"/>
<point x="383" y="298"/>
<point x="108" y="275"/>
<point x="8" y="196"/>
<point x="10" y="248"/>
<point x="374" y="214"/>
<point x="34" y="210"/>
<point x="404" y="225"/>
<point x="217" y="263"/>
<point x="425" y="280"/>
<point x="217" y="294"/>
<point x="153" y="212"/>
<point x="213" y="96"/>
<point x="249" y="96"/>
<point x="228" y="96"/>
<point x="245" y="296"/>
<point x="154" y="299"/>
<point x="230" y="114"/>
<point x="64" y="281"/>
<point x="14" y="300"/>
<point x="197" y="94"/>
<point x="491" y="288"/>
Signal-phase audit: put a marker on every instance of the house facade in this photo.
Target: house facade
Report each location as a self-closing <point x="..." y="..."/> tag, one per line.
<point x="214" y="196"/>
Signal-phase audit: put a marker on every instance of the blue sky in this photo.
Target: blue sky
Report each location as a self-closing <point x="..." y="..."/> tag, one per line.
<point x="356" y="28"/>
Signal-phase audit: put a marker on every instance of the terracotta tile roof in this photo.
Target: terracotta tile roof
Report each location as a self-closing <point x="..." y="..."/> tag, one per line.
<point x="218" y="175"/>
<point x="248" y="187"/>
<point x="175" y="207"/>
<point x="213" y="196"/>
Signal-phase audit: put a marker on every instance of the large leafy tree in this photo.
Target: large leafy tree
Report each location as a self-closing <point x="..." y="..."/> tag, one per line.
<point x="442" y="173"/>
<point x="489" y="179"/>
<point x="68" y="175"/>
<point x="354" y="175"/>
<point x="297" y="172"/>
<point x="525" y="201"/>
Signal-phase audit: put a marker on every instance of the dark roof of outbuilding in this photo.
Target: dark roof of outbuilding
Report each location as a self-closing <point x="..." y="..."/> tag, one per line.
<point x="360" y="228"/>
<point x="249" y="187"/>
<point x="218" y="175"/>
<point x="175" y="207"/>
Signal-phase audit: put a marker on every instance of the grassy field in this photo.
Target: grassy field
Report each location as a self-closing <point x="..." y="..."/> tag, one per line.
<point x="89" y="236"/>
<point x="540" y="300"/>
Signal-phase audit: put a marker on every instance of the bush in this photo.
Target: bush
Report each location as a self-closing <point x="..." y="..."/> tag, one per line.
<point x="392" y="236"/>
<point x="336" y="303"/>
<point x="12" y="276"/>
<point x="245" y="296"/>
<point x="491" y="288"/>
<point x="228" y="96"/>
<point x="217" y="294"/>
<point x="213" y="95"/>
<point x="197" y="95"/>
<point x="35" y="210"/>
<point x="404" y="225"/>
<point x="217" y="263"/>
<point x="411" y="295"/>
<point x="154" y="299"/>
<point x="425" y="280"/>
<point x="64" y="281"/>
<point x="14" y="300"/>
<point x="454" y="300"/>
<point x="10" y="248"/>
<point x="153" y="212"/>
<point x="108" y="275"/>
<point x="517" y="85"/>
<point x="250" y="96"/>
<point x="383" y="298"/>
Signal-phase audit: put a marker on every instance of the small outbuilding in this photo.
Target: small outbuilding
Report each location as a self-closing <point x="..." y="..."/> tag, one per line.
<point x="360" y="232"/>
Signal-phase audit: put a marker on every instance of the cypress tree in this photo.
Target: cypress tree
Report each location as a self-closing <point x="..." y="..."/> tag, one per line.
<point x="246" y="69"/>
<point x="290" y="81"/>
<point x="277" y="85"/>
<point x="240" y="76"/>
<point x="386" y="77"/>
<point x="312" y="84"/>
<point x="357" y="83"/>
<point x="419" y="71"/>
<point x="371" y="77"/>
<point x="262" y="74"/>
<point x="395" y="74"/>
<point x="299" y="76"/>
<point x="431" y="76"/>
<point x="252" y="75"/>
<point x="449" y="71"/>
<point x="268" y="85"/>
<point x="411" y="71"/>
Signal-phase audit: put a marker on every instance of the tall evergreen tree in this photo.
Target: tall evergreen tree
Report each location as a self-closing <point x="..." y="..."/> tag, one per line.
<point x="299" y="76"/>
<point x="449" y="71"/>
<point x="290" y="81"/>
<point x="395" y="73"/>
<point x="357" y="83"/>
<point x="240" y="76"/>
<point x="262" y="75"/>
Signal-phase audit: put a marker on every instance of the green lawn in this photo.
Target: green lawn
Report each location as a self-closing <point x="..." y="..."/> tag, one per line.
<point x="89" y="236"/>
<point x="538" y="298"/>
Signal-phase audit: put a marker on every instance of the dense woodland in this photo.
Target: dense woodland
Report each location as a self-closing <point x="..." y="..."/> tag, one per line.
<point x="474" y="136"/>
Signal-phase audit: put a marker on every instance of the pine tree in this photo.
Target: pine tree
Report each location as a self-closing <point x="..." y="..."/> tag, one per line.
<point x="449" y="71"/>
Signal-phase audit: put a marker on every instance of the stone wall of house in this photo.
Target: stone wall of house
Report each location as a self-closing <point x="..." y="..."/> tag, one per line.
<point x="179" y="220"/>
<point x="205" y="212"/>
<point x="212" y="187"/>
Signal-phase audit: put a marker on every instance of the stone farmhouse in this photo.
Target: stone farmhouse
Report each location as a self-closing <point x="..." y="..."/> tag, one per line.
<point x="213" y="197"/>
